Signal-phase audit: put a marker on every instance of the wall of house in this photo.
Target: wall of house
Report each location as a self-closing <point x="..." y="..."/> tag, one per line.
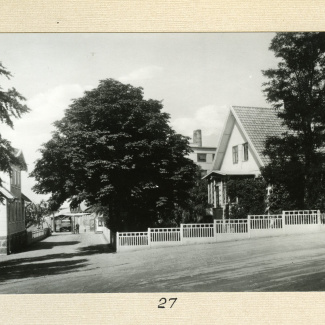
<point x="12" y="215"/>
<point x="16" y="216"/>
<point x="16" y="212"/>
<point x="3" y="218"/>
<point x="210" y="152"/>
<point x="3" y="228"/>
<point x="251" y="165"/>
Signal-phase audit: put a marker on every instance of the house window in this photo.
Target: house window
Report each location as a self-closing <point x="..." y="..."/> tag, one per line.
<point x="201" y="157"/>
<point x="245" y="148"/>
<point x="13" y="177"/>
<point x="235" y="154"/>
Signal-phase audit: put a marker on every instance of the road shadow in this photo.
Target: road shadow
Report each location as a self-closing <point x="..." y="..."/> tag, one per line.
<point x="48" y="245"/>
<point x="51" y="264"/>
<point x="34" y="270"/>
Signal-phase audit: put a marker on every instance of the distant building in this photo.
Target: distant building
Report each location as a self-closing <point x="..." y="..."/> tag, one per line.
<point x="12" y="209"/>
<point x="202" y="156"/>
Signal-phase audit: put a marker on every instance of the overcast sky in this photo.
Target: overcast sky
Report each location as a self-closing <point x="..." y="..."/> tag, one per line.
<point x="198" y="76"/>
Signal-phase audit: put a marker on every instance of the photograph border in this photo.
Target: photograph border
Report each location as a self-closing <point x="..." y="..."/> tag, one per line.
<point x="150" y="17"/>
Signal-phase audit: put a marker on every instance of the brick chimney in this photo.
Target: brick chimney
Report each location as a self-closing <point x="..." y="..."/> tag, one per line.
<point x="197" y="138"/>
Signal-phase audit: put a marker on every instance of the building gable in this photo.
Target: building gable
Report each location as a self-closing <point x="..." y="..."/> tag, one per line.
<point x="246" y="124"/>
<point x="244" y="163"/>
<point x="259" y="123"/>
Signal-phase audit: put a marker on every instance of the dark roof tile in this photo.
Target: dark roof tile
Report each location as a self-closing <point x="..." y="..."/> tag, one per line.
<point x="259" y="123"/>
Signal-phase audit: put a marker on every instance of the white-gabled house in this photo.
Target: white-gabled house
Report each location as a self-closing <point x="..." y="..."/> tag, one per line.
<point x="12" y="209"/>
<point x="240" y="149"/>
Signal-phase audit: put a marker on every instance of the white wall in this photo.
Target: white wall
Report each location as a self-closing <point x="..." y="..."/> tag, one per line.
<point x="251" y="165"/>
<point x="208" y="151"/>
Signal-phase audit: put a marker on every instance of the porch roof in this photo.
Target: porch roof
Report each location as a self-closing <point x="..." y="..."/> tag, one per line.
<point x="7" y="194"/>
<point x="70" y="214"/>
<point x="229" y="173"/>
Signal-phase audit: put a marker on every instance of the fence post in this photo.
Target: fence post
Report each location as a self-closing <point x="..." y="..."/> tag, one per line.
<point x="318" y="219"/>
<point x="149" y="237"/>
<point x="215" y="229"/>
<point x="181" y="233"/>
<point x="249" y="226"/>
<point x="117" y="241"/>
<point x="283" y="222"/>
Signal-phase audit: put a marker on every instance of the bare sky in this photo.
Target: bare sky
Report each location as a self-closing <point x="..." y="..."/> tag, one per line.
<point x="196" y="75"/>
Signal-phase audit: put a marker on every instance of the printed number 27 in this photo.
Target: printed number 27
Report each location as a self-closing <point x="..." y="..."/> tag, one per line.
<point x="164" y="300"/>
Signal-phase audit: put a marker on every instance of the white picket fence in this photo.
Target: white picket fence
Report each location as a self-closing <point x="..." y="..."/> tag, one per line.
<point x="231" y="229"/>
<point x="289" y="222"/>
<point x="164" y="236"/>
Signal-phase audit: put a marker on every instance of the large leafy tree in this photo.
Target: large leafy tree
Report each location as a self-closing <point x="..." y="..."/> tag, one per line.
<point x="11" y="107"/>
<point x="296" y="89"/>
<point x="35" y="213"/>
<point x="116" y="150"/>
<point x="195" y="209"/>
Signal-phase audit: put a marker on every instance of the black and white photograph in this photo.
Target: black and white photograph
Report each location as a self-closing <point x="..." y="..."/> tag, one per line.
<point x="162" y="162"/>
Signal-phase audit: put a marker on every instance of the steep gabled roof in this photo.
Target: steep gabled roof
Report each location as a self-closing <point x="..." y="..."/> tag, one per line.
<point x="258" y="123"/>
<point x="19" y="154"/>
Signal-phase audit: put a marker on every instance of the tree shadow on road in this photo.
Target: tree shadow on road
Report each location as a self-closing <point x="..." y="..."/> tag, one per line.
<point x="52" y="264"/>
<point x="48" y="245"/>
<point x="34" y="270"/>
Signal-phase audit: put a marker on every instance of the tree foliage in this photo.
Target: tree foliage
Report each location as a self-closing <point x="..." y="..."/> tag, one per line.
<point x="11" y="107"/>
<point x="35" y="213"/>
<point x="195" y="209"/>
<point x="247" y="196"/>
<point x="116" y="150"/>
<point x="296" y="89"/>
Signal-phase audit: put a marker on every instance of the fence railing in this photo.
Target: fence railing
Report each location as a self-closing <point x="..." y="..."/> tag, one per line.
<point x="197" y="230"/>
<point x="164" y="235"/>
<point x="231" y="226"/>
<point x="266" y="221"/>
<point x="37" y="235"/>
<point x="132" y="238"/>
<point x="322" y="219"/>
<point x="304" y="217"/>
<point x="288" y="222"/>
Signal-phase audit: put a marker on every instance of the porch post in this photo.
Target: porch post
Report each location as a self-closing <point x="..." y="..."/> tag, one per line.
<point x="214" y="194"/>
<point x="221" y="193"/>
